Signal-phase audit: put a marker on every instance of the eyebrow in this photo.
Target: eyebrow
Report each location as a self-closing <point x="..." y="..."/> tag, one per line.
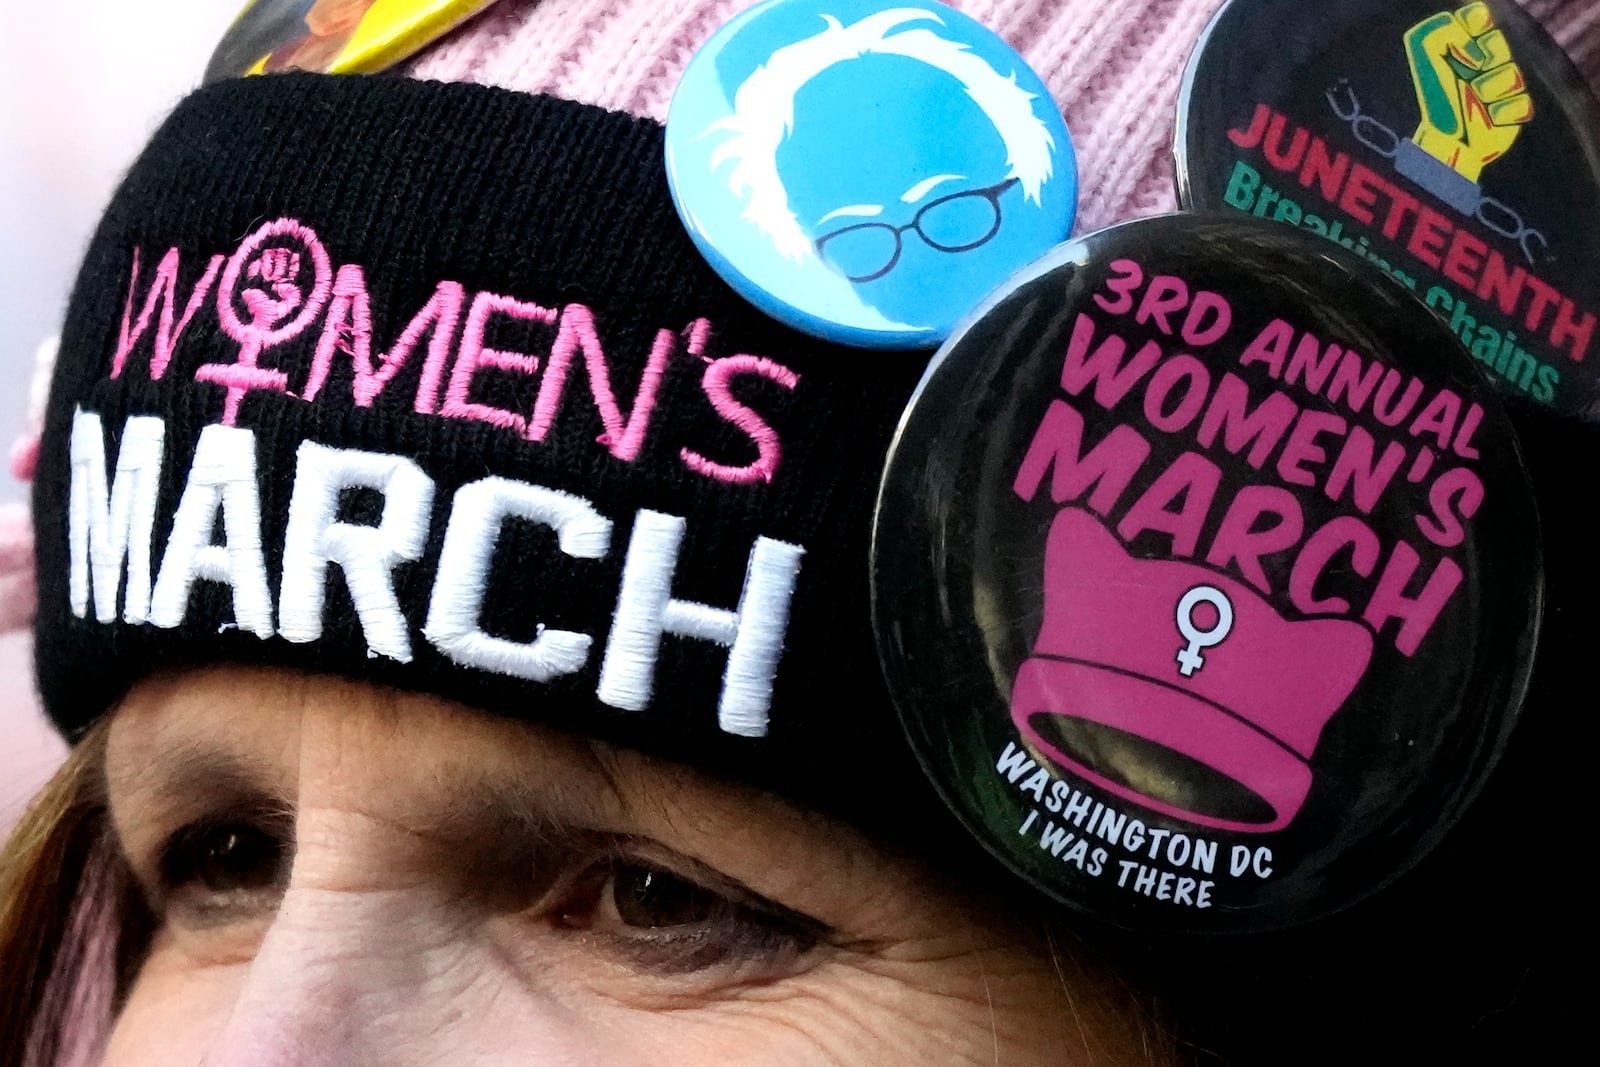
<point x="178" y="780"/>
<point x="927" y="185"/>
<point x="485" y="810"/>
<point x="182" y="781"/>
<point x="483" y="819"/>
<point x="855" y="210"/>
<point x="190" y="773"/>
<point x="186" y="773"/>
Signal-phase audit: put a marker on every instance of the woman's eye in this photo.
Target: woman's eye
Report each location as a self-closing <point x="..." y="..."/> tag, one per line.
<point x="665" y="922"/>
<point x="650" y="899"/>
<point x="224" y="864"/>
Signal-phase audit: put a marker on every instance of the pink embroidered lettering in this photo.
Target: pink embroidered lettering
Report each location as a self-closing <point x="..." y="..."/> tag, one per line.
<point x="475" y="354"/>
<point x="280" y="280"/>
<point x="718" y="378"/>
<point x="349" y="330"/>
<point x="277" y="303"/>
<point x="577" y="334"/>
<point x="163" y="290"/>
<point x="699" y="332"/>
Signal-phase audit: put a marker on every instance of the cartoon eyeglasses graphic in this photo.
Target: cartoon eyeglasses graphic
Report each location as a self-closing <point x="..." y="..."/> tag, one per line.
<point x="958" y="222"/>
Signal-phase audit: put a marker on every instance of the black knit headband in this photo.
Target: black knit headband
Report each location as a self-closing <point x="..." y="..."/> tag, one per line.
<point x="423" y="384"/>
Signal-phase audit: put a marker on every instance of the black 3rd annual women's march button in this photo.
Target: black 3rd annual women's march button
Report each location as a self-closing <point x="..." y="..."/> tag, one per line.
<point x="1206" y="576"/>
<point x="1454" y="147"/>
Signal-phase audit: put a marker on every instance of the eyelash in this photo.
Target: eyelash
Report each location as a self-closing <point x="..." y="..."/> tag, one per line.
<point x="738" y="928"/>
<point x="217" y="871"/>
<point x="187" y="890"/>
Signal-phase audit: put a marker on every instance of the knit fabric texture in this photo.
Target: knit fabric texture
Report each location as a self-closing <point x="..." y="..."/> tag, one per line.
<point x="517" y="445"/>
<point x="738" y="453"/>
<point x="1113" y="68"/>
<point x="716" y="446"/>
<point x="686" y="439"/>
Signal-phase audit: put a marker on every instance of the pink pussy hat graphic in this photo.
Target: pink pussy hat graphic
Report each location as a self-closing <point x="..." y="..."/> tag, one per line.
<point x="1189" y="660"/>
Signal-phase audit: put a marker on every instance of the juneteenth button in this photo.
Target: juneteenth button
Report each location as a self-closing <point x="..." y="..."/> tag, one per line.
<point x="1207" y="580"/>
<point x="1457" y="149"/>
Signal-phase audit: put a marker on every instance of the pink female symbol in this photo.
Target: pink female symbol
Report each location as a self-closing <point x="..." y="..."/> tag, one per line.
<point x="278" y="306"/>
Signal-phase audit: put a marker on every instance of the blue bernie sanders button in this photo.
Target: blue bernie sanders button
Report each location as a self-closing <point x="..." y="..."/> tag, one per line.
<point x="867" y="171"/>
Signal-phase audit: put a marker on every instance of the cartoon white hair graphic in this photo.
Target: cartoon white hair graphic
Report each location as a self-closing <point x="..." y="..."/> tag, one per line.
<point x="763" y="112"/>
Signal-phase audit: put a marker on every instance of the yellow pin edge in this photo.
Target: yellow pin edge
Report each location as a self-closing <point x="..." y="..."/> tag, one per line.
<point x="380" y="42"/>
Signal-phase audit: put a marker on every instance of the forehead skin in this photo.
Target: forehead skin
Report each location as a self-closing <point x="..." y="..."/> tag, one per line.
<point x="410" y="930"/>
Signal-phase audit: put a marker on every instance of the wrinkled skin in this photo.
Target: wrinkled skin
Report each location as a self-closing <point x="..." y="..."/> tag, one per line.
<point x="348" y="876"/>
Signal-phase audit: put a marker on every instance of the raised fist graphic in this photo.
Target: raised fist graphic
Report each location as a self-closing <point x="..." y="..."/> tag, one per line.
<point x="1473" y="96"/>
<point x="278" y="268"/>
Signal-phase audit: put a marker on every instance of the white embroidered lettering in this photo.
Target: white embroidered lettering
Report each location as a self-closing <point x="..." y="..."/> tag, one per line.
<point x="454" y="615"/>
<point x="223" y="476"/>
<point x="366" y="554"/>
<point x="106" y="529"/>
<point x="647" y="611"/>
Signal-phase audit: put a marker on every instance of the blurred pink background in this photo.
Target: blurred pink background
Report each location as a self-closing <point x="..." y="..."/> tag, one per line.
<point x="82" y="84"/>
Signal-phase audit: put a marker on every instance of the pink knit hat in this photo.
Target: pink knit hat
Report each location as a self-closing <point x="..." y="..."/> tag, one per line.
<point x="1113" y="69"/>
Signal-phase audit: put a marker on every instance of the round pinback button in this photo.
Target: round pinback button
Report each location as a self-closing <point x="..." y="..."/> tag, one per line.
<point x="864" y="170"/>
<point x="1206" y="576"/>
<point x="342" y="37"/>
<point x="1454" y="147"/>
